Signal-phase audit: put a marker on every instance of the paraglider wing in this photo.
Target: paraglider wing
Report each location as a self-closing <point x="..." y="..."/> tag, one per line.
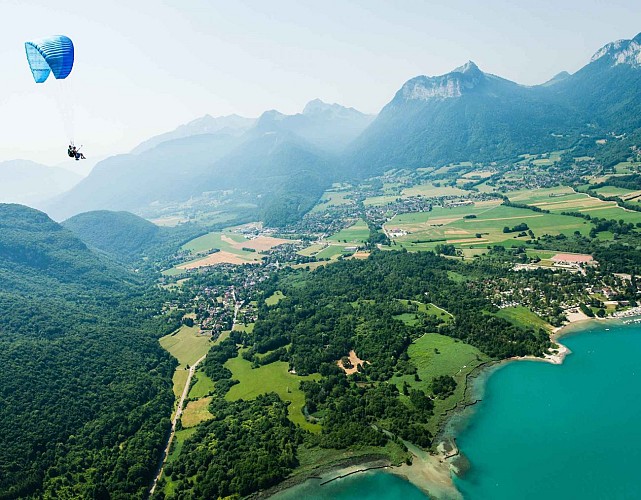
<point x="50" y="55"/>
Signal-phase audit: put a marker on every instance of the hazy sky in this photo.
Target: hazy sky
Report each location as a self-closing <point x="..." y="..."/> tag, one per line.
<point x="146" y="66"/>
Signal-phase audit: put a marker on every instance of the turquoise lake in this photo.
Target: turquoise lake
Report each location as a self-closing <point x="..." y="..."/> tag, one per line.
<point x="568" y="431"/>
<point x="542" y="431"/>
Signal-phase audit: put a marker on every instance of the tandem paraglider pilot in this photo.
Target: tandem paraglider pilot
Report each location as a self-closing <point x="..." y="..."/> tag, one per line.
<point x="73" y="152"/>
<point x="54" y="54"/>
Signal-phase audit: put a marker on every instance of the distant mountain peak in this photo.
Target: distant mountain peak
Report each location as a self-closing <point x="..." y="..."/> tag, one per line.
<point x="450" y="85"/>
<point x="317" y="107"/>
<point x="621" y="52"/>
<point x="468" y="67"/>
<point x="206" y="124"/>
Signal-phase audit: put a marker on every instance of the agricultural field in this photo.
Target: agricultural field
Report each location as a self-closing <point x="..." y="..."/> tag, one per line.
<point x="186" y="344"/>
<point x="270" y="378"/>
<point x="523" y="317"/>
<point x="377" y="201"/>
<point x="627" y="167"/>
<point x="478" y="174"/>
<point x="356" y="233"/>
<point x="477" y="226"/>
<point x="232" y="248"/>
<point x="435" y="355"/>
<point x="196" y="412"/>
<point x="311" y="249"/>
<point x="429" y="190"/>
<point x="332" y="251"/>
<point x="563" y="199"/>
<point x="622" y="193"/>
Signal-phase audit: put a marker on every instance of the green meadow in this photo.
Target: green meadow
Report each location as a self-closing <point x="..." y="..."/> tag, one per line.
<point x="333" y="199"/>
<point x="270" y="378"/>
<point x="435" y="355"/>
<point x="186" y="345"/>
<point x="196" y="412"/>
<point x="274" y="298"/>
<point x="209" y="241"/>
<point x="331" y="251"/>
<point x="203" y="386"/>
<point x="413" y="318"/>
<point x="523" y="317"/>
<point x="356" y="233"/>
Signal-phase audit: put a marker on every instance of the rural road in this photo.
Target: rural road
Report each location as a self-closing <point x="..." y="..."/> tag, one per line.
<point x="179" y="411"/>
<point x="181" y="402"/>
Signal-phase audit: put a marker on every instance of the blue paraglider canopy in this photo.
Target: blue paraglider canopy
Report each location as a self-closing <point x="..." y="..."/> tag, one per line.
<point x="50" y="55"/>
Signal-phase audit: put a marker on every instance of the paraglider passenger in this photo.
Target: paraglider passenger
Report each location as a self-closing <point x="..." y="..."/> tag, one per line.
<point x="74" y="153"/>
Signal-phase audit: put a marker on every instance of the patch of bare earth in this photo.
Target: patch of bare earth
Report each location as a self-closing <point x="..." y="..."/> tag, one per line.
<point x="221" y="257"/>
<point x="261" y="243"/>
<point x="354" y="361"/>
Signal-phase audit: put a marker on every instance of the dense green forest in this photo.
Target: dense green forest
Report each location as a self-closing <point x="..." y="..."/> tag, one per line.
<point x="85" y="389"/>
<point x="130" y="239"/>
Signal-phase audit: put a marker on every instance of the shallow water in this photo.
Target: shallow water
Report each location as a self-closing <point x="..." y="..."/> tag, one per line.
<point x="366" y="485"/>
<point x="568" y="431"/>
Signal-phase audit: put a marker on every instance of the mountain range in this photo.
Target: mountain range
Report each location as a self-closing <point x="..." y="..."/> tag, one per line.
<point x="286" y="161"/>
<point x="30" y="183"/>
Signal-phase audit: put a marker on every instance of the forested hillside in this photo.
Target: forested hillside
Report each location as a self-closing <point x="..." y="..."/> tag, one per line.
<point x="85" y="389"/>
<point x="129" y="238"/>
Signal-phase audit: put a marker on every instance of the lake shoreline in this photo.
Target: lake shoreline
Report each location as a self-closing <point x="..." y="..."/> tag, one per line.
<point x="434" y="472"/>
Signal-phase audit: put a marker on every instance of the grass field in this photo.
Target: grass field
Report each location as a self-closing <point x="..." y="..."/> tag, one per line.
<point x="522" y="316"/>
<point x="203" y="386"/>
<point x="231" y="249"/>
<point x="356" y="233"/>
<point x="186" y="345"/>
<point x="429" y="190"/>
<point x="179" y="379"/>
<point x="377" y="201"/>
<point x="410" y="318"/>
<point x="249" y="328"/>
<point x="456" y="359"/>
<point x="564" y="200"/>
<point x="209" y="241"/>
<point x="311" y="249"/>
<point x="270" y="378"/>
<point x="179" y="439"/>
<point x="196" y="412"/>
<point x="331" y="251"/>
<point x="274" y="298"/>
<point x="333" y="199"/>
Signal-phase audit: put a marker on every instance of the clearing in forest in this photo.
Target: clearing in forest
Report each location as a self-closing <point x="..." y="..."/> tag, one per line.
<point x="196" y="412"/>
<point x="435" y="355"/>
<point x="273" y="377"/>
<point x="523" y="317"/>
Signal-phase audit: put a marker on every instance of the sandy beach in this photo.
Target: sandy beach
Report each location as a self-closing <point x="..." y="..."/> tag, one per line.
<point x="431" y="472"/>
